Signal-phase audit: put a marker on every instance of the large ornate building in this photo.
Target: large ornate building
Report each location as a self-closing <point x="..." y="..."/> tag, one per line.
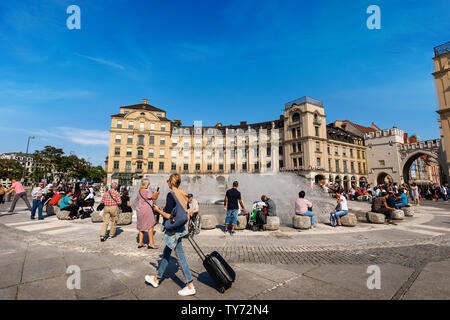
<point x="144" y="142"/>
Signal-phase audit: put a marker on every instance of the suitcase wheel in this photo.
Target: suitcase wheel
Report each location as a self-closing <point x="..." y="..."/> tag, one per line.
<point x="222" y="290"/>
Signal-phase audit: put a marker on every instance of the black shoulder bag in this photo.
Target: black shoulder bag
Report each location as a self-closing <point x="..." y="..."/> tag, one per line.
<point x="156" y="214"/>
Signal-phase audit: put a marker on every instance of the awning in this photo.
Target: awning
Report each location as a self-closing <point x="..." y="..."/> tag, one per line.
<point x="122" y="175"/>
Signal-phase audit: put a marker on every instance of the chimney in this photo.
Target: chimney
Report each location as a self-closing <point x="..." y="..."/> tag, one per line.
<point x="144" y="101"/>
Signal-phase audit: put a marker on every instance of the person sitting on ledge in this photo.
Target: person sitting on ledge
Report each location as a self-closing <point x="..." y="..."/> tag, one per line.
<point x="341" y="208"/>
<point x="380" y="206"/>
<point x="303" y="207"/>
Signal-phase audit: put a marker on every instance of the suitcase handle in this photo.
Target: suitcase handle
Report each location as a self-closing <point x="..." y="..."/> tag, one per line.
<point x="196" y="248"/>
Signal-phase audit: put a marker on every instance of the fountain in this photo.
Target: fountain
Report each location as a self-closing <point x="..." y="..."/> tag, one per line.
<point x="282" y="188"/>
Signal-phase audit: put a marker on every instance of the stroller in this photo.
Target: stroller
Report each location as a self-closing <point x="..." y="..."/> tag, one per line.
<point x="86" y="208"/>
<point x="258" y="216"/>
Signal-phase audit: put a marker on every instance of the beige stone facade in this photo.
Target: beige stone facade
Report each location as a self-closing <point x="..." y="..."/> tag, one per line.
<point x="144" y="142"/>
<point x="442" y="79"/>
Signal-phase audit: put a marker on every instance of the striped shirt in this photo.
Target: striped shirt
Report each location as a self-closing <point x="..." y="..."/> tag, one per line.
<point x="108" y="201"/>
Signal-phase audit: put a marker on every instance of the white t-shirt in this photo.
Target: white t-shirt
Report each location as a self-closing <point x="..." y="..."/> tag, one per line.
<point x="343" y="203"/>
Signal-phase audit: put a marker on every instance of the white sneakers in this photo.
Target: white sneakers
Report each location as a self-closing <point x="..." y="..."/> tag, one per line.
<point x="186" y="291"/>
<point x="151" y="280"/>
<point x="183" y="292"/>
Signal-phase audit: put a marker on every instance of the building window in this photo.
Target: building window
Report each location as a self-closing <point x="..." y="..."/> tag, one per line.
<point x="233" y="167"/>
<point x="294" y="148"/>
<point x="232" y="154"/>
<point x="163" y="127"/>
<point x="293" y="133"/>
<point x="336" y="151"/>
<point x="344" y="152"/>
<point x="358" y="154"/>
<point x="209" y="166"/>
<point x="161" y="153"/>
<point x="129" y="152"/>
<point x="117" y="151"/>
<point x="151" y="153"/>
<point x="295" y="162"/>
<point x="352" y="167"/>
<point x="336" y="165"/>
<point x="119" y="124"/>
<point x="316" y="129"/>
<point x="269" y="164"/>
<point x="329" y="165"/>
<point x="139" y="165"/>
<point x="140" y="152"/>
<point x="280" y="150"/>
<point x="128" y="165"/>
<point x="298" y="133"/>
<point x="364" y="168"/>
<point x="141" y="126"/>
<point x="381" y="163"/>
<point x="186" y="167"/>
<point x="161" y="166"/>
<point x="150" y="166"/>
<point x="345" y="166"/>
<point x="152" y="140"/>
<point x="197" y="166"/>
<point x="118" y="138"/>
<point x="152" y="126"/>
<point x="328" y="150"/>
<point x="300" y="162"/>
<point x="130" y="125"/>
<point x="281" y="163"/>
<point x="351" y="153"/>
<point x="268" y="151"/>
<point x="296" y="117"/>
<point x="141" y="140"/>
<point x="359" y="167"/>
<point x="116" y="164"/>
<point x="130" y="139"/>
<point x="162" y="141"/>
<point x="363" y="155"/>
<point x="244" y="166"/>
<point x="221" y="166"/>
<point x="317" y="146"/>
<point x="318" y="162"/>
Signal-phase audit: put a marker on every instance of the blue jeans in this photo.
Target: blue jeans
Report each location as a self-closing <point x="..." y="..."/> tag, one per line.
<point x="309" y="214"/>
<point x="181" y="260"/>
<point x="232" y="214"/>
<point x="399" y="205"/>
<point x="340" y="214"/>
<point x="37" y="204"/>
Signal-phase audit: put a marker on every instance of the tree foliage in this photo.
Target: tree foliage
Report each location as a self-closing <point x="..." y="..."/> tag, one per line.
<point x="10" y="169"/>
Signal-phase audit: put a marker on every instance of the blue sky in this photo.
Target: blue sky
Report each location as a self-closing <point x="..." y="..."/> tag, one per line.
<point x="215" y="61"/>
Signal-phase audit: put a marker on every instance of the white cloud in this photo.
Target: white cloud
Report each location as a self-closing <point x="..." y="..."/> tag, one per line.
<point x="103" y="61"/>
<point x="78" y="136"/>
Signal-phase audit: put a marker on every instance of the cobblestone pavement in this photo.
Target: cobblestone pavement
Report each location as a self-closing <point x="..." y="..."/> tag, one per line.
<point x="324" y="263"/>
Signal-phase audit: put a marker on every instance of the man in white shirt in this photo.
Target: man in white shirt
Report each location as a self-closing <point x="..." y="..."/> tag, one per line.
<point x="341" y="208"/>
<point x="36" y="195"/>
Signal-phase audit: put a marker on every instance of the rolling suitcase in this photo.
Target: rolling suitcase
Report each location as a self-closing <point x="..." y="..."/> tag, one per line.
<point x="218" y="269"/>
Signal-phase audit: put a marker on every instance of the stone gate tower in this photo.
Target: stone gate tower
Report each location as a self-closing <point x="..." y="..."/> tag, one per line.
<point x="442" y="78"/>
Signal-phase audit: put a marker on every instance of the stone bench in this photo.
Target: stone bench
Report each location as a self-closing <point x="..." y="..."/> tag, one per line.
<point x="349" y="220"/>
<point x="398" y="215"/>
<point x="408" y="211"/>
<point x="273" y="224"/>
<point x="125" y="218"/>
<point x="301" y="222"/>
<point x="377" y="218"/>
<point x="61" y="214"/>
<point x="96" y="217"/>
<point x="241" y="223"/>
<point x="208" y="222"/>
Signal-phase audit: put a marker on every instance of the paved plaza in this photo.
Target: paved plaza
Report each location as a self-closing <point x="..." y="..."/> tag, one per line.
<point x="325" y="263"/>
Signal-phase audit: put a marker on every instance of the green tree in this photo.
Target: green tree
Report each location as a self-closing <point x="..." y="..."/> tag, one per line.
<point x="10" y="169"/>
<point x="96" y="174"/>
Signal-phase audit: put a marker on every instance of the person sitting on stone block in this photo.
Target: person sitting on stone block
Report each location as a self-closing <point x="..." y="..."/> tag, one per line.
<point x="341" y="208"/>
<point x="303" y="207"/>
<point x="380" y="206"/>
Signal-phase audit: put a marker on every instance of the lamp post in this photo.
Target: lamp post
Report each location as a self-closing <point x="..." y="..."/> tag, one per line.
<point x="26" y="154"/>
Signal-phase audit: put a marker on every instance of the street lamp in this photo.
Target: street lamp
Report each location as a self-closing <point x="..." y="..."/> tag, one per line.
<point x="26" y="154"/>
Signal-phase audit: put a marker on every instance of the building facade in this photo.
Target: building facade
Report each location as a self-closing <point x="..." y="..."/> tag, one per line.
<point x="144" y="142"/>
<point x="442" y="79"/>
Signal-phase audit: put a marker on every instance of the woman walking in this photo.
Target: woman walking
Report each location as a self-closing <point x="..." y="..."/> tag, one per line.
<point x="415" y="194"/>
<point x="173" y="238"/>
<point x="145" y="215"/>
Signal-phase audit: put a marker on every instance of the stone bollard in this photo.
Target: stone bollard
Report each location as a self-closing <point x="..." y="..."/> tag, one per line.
<point x="408" y="211"/>
<point x="349" y="220"/>
<point x="241" y="223"/>
<point x="63" y="215"/>
<point x="96" y="217"/>
<point x="273" y="224"/>
<point x="125" y="218"/>
<point x="301" y="222"/>
<point x="398" y="215"/>
<point x="376" y="218"/>
<point x="208" y="222"/>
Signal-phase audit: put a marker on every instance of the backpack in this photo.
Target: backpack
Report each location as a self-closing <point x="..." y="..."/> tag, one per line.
<point x="333" y="220"/>
<point x="179" y="216"/>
